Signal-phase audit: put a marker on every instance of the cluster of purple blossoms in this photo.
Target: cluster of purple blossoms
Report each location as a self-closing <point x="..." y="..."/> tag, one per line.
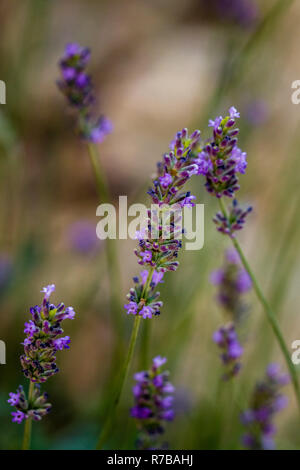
<point x="159" y="245"/>
<point x="227" y="340"/>
<point x="265" y="403"/>
<point x="77" y="86"/>
<point x="138" y="305"/>
<point x="36" y="408"/>
<point x="221" y="159"/>
<point x="234" y="221"/>
<point x="153" y="403"/>
<point x="43" y="339"/>
<point x="233" y="281"/>
<point x="160" y="240"/>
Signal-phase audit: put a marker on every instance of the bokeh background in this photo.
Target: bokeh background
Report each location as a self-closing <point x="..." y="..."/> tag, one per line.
<point x="157" y="66"/>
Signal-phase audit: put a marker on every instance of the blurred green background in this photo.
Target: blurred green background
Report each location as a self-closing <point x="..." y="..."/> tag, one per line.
<point x="158" y="66"/>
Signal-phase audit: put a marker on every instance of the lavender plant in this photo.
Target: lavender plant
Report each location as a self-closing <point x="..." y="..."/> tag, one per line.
<point x="77" y="86"/>
<point x="221" y="162"/>
<point x="43" y="340"/>
<point x="266" y="401"/>
<point x="153" y="404"/>
<point x="155" y="251"/>
<point x="232" y="281"/>
<point x="227" y="340"/>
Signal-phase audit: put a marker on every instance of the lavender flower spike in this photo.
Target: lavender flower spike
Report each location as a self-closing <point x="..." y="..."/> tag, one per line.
<point x="156" y="251"/>
<point x="153" y="403"/>
<point x="233" y="282"/>
<point x="266" y="401"/>
<point x="78" y="88"/>
<point x="35" y="408"/>
<point x="227" y="340"/>
<point x="220" y="160"/>
<point x="43" y="339"/>
<point x="229" y="223"/>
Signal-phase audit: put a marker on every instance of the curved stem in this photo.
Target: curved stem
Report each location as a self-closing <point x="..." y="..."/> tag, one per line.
<point x="269" y="312"/>
<point x="124" y="372"/>
<point x="28" y="422"/>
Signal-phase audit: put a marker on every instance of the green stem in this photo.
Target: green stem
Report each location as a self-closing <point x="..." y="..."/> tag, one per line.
<point x="28" y="422"/>
<point x="111" y="254"/>
<point x="124" y="371"/>
<point x="147" y="329"/>
<point x="269" y="312"/>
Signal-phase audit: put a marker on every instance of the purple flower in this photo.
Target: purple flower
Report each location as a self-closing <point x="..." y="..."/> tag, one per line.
<point x="69" y="314"/>
<point x="146" y="256"/>
<point x="29" y="328"/>
<point x="18" y="416"/>
<point x="233" y="221"/>
<point x="48" y="290"/>
<point x="62" y="343"/>
<point x="153" y="403"/>
<point x="36" y="408"/>
<point x="227" y="340"/>
<point x="233" y="282"/>
<point x="100" y="130"/>
<point x="137" y="304"/>
<point x="131" y="308"/>
<point x="156" y="278"/>
<point x="165" y="180"/>
<point x="77" y="87"/>
<point x="240" y="159"/>
<point x="217" y="277"/>
<point x="159" y="361"/>
<point x="146" y="312"/>
<point x="233" y="112"/>
<point x="266" y="401"/>
<point x="204" y="163"/>
<point x="44" y="338"/>
<point x="219" y="159"/>
<point x="243" y="282"/>
<point x="14" y="398"/>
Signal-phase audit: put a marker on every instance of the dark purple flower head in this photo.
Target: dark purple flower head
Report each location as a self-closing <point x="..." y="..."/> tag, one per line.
<point x="77" y="86"/>
<point x="234" y="220"/>
<point x="227" y="340"/>
<point x="148" y="305"/>
<point x="266" y="401"/>
<point x="220" y="160"/>
<point x="233" y="282"/>
<point x="44" y="338"/>
<point x="153" y="403"/>
<point x="36" y="408"/>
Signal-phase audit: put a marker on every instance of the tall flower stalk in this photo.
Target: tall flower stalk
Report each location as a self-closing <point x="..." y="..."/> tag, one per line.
<point x="221" y="161"/>
<point x="43" y="340"/>
<point x="78" y="88"/>
<point x="157" y="250"/>
<point x="268" y="310"/>
<point x="232" y="281"/>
